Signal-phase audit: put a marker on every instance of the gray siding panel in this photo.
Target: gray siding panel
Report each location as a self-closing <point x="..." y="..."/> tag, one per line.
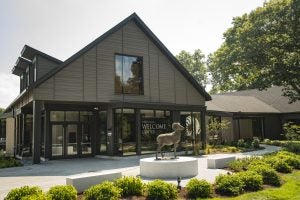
<point x="44" y="66"/>
<point x="90" y="78"/>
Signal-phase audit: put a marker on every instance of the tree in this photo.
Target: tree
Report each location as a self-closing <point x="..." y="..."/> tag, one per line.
<point x="260" y="50"/>
<point x="1" y="110"/>
<point x="215" y="129"/>
<point x="195" y="64"/>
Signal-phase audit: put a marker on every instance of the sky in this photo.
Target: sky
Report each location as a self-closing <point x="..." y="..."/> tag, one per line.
<point x="60" y="28"/>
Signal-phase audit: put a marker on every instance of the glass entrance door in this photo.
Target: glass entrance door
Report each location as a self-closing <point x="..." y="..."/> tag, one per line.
<point x="57" y="140"/>
<point x="86" y="145"/>
<point x="71" y="139"/>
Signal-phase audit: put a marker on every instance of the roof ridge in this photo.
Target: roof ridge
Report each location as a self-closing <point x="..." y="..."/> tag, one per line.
<point x="149" y="33"/>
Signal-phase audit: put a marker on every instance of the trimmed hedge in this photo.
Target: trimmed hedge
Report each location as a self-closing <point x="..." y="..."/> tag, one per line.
<point x="269" y="175"/>
<point x="161" y="190"/>
<point x="104" y="191"/>
<point x="25" y="192"/>
<point x="59" y="192"/>
<point x="130" y="185"/>
<point x="230" y="185"/>
<point x="198" y="188"/>
<point x="252" y="180"/>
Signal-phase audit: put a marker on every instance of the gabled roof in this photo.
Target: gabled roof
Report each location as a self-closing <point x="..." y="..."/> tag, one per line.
<point x="133" y="17"/>
<point x="271" y="96"/>
<point x="29" y="53"/>
<point x="246" y="104"/>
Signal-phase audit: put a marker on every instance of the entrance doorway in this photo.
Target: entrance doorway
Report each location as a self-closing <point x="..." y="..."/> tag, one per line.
<point x="70" y="140"/>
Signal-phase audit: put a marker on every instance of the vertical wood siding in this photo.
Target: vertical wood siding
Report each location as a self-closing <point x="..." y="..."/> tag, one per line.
<point x="91" y="77"/>
<point x="44" y="66"/>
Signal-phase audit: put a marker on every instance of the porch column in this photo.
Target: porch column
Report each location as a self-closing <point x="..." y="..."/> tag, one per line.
<point x="36" y="137"/>
<point x="203" y="129"/>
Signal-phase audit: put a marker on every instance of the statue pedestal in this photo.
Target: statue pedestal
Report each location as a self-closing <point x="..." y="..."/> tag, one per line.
<point x="182" y="166"/>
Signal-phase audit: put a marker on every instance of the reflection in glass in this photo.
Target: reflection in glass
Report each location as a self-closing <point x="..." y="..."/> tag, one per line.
<point x="125" y="132"/>
<point x="56" y="116"/>
<point x="57" y="140"/>
<point x="86" y="146"/>
<point x="71" y="136"/>
<point x="72" y="116"/>
<point x="128" y="74"/>
<point x="191" y="139"/>
<point x="152" y="126"/>
<point x="103" y="132"/>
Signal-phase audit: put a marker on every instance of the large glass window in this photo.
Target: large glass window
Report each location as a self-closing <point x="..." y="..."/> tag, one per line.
<point x="191" y="139"/>
<point x="128" y="74"/>
<point x="154" y="122"/>
<point x="3" y="134"/>
<point x="125" y="132"/>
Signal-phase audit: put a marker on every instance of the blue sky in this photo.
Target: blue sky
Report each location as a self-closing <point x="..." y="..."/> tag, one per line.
<point x="62" y="27"/>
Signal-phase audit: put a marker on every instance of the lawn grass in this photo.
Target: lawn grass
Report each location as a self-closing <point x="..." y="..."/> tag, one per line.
<point x="290" y="190"/>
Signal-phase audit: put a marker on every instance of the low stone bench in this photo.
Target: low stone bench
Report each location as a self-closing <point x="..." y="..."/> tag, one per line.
<point x="85" y="180"/>
<point x="219" y="162"/>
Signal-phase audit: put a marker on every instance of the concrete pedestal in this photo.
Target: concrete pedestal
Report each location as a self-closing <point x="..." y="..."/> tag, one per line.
<point x="182" y="166"/>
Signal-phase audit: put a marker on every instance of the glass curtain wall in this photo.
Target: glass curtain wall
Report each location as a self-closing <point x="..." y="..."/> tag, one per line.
<point x="191" y="137"/>
<point x="125" y="140"/>
<point x="154" y="122"/>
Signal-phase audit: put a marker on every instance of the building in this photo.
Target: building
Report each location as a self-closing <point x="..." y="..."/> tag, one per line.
<point x="253" y="113"/>
<point x="113" y="97"/>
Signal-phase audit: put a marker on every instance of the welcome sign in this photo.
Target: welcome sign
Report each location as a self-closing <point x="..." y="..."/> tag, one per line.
<point x="155" y="124"/>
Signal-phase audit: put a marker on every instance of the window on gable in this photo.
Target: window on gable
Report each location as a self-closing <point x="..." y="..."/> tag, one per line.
<point x="129" y="74"/>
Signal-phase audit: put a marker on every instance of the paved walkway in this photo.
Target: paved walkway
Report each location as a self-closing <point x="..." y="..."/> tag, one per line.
<point x="54" y="172"/>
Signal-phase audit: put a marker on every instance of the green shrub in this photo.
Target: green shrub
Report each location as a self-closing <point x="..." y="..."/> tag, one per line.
<point x="232" y="149"/>
<point x="291" y="159"/>
<point x="269" y="175"/>
<point x="240" y="143"/>
<point x="130" y="185"/>
<point x="241" y="164"/>
<point x="66" y="192"/>
<point x="293" y="147"/>
<point x="267" y="141"/>
<point x="252" y="180"/>
<point x="104" y="191"/>
<point x="198" y="188"/>
<point x="282" y="166"/>
<point x="25" y="192"/>
<point x="230" y="185"/>
<point x="255" y="143"/>
<point x="6" y="162"/>
<point x="292" y="131"/>
<point x="238" y="165"/>
<point x="161" y="190"/>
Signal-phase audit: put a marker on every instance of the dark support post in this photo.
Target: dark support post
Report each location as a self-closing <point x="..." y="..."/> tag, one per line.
<point x="36" y="138"/>
<point x="110" y="131"/>
<point x="47" y="134"/>
<point x="239" y="127"/>
<point x="176" y="116"/>
<point x="203" y="129"/>
<point x="96" y="135"/>
<point x="138" y="130"/>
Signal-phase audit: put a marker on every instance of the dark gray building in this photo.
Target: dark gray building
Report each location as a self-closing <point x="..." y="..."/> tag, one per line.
<point x="113" y="97"/>
<point x="254" y="113"/>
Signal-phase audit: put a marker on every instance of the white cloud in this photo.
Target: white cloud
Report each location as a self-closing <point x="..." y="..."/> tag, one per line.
<point x="9" y="89"/>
